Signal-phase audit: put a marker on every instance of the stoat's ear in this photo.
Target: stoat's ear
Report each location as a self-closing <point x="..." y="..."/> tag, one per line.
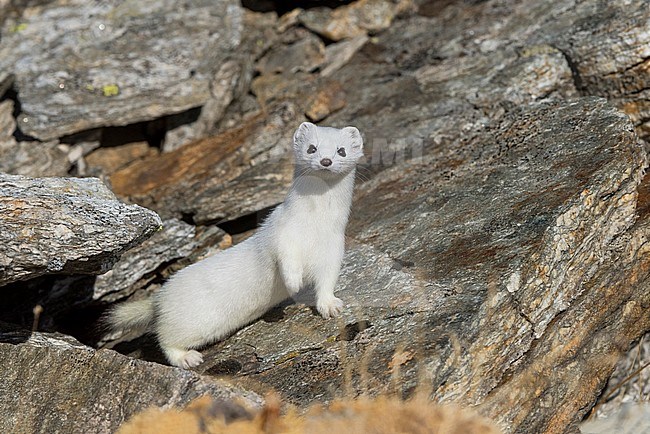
<point x="354" y="136"/>
<point x="303" y="134"/>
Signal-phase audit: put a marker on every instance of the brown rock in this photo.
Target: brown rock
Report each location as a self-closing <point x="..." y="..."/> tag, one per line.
<point x="211" y="179"/>
<point x="357" y="18"/>
<point x="329" y="99"/>
<point x="274" y="88"/>
<point x="108" y="160"/>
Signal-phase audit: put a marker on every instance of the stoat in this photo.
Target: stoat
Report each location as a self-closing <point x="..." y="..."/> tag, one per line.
<point x="300" y="243"/>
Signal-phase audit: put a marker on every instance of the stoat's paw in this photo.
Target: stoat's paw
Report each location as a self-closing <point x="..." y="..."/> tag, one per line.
<point x="191" y="359"/>
<point x="329" y="307"/>
<point x="183" y="358"/>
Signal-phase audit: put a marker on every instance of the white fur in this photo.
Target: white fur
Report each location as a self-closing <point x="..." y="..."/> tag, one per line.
<point x="300" y="243"/>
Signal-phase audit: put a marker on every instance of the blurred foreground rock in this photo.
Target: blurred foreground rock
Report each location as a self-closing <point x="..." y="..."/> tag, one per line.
<point x="65" y="225"/>
<point x="52" y="383"/>
<point x="630" y="418"/>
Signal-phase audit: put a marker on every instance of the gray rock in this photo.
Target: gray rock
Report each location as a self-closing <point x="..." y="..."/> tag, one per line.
<point x="59" y="225"/>
<point x="52" y="383"/>
<point x="29" y="158"/>
<point x="172" y="242"/>
<point x="134" y="62"/>
<point x="630" y="418"/>
<point x="338" y="54"/>
<point x="304" y="54"/>
<point x="222" y="92"/>
<point x="7" y="121"/>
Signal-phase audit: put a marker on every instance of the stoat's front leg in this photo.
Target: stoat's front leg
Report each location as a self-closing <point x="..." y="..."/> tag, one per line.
<point x="326" y="275"/>
<point x="291" y="268"/>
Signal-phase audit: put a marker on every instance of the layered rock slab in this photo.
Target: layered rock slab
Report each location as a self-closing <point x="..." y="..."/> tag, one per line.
<point x="496" y="240"/>
<point x="65" y="225"/>
<point x="79" y="66"/>
<point x="29" y="158"/>
<point x="236" y="173"/>
<point x="52" y="383"/>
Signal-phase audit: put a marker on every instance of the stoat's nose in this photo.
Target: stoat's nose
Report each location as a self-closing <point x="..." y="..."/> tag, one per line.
<point x="326" y="162"/>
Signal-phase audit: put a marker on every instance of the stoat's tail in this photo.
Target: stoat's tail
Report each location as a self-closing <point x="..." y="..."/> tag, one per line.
<point x="132" y="315"/>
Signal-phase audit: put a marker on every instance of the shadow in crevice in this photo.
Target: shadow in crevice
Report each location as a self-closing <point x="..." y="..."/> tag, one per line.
<point x="246" y="222"/>
<point x="152" y="131"/>
<point x="13" y="334"/>
<point x="65" y="304"/>
<point x="144" y="347"/>
<point x="282" y="6"/>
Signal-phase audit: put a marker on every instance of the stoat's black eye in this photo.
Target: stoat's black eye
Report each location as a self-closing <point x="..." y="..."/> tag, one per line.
<point x="341" y="152"/>
<point x="311" y="149"/>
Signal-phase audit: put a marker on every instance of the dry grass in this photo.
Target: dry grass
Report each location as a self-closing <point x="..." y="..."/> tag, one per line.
<point x="362" y="415"/>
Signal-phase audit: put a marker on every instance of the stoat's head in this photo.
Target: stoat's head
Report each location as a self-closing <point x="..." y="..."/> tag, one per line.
<point x="328" y="150"/>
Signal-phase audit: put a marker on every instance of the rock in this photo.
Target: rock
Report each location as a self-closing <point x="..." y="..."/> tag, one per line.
<point x="229" y="87"/>
<point x="210" y="180"/>
<point x="355" y="19"/>
<point x="52" y="383"/>
<point x="7" y="121"/>
<point x="305" y="54"/>
<point x="492" y="258"/>
<point x="222" y="92"/>
<point x="107" y="160"/>
<point x="134" y="62"/>
<point x="338" y="54"/>
<point x="272" y="89"/>
<point x="65" y="225"/>
<point x="629" y="419"/>
<point x="629" y="383"/>
<point x="29" y="158"/>
<point x="6" y="81"/>
<point x="327" y="100"/>
<point x="608" y="46"/>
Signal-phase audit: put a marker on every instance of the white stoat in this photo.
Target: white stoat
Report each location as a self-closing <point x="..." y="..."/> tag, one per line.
<point x="300" y="243"/>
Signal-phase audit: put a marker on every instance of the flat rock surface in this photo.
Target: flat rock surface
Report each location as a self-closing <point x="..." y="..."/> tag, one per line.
<point x="65" y="225"/>
<point x="51" y="383"/>
<point x="81" y="65"/>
